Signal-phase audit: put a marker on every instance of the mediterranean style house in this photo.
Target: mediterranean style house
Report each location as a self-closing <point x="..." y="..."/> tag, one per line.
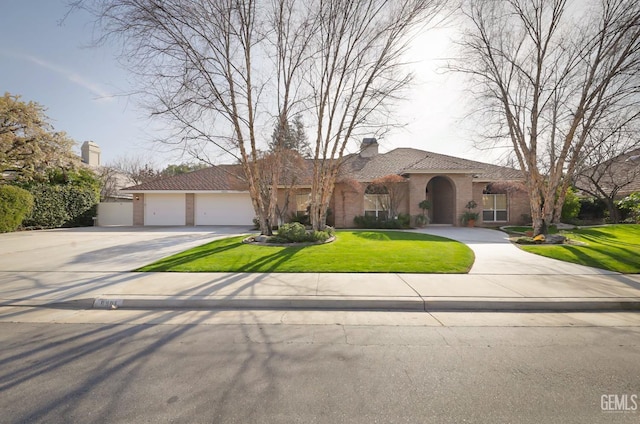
<point x="218" y="195"/>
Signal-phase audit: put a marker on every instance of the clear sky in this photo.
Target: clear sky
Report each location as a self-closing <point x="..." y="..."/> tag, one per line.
<point x="46" y="58"/>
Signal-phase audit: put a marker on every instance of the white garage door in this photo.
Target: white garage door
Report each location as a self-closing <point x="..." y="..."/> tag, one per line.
<point x="224" y="209"/>
<point x="164" y="209"/>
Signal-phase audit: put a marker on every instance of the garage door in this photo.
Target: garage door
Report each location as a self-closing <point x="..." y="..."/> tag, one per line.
<point x="224" y="209"/>
<point x="164" y="209"/>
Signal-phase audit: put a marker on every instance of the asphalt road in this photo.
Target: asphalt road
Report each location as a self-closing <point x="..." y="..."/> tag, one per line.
<point x="317" y="373"/>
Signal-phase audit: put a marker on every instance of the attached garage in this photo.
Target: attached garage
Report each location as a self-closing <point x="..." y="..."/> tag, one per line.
<point x="209" y="196"/>
<point x="164" y="209"/>
<point x="223" y="209"/>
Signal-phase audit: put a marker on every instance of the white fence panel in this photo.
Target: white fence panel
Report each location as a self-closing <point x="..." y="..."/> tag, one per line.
<point x="115" y="213"/>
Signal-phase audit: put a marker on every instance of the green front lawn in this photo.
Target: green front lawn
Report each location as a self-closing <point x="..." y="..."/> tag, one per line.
<point x="352" y="251"/>
<point x="614" y="247"/>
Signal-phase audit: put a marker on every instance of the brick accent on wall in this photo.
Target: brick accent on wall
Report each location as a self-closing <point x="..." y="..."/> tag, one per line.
<point x="138" y="209"/>
<point x="190" y="201"/>
<point x="462" y="192"/>
<point x="478" y="188"/>
<point x="519" y="205"/>
<point x="348" y="203"/>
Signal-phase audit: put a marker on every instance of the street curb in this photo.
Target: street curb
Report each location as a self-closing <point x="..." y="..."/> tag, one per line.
<point x="343" y="303"/>
<point x="263" y="302"/>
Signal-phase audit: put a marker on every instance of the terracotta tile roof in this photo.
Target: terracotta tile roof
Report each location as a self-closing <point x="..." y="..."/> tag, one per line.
<point x="398" y="161"/>
<point x="223" y="177"/>
<point x="407" y="161"/>
<point x="623" y="170"/>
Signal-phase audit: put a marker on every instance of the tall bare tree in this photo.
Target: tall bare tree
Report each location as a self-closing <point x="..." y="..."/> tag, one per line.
<point x="357" y="71"/>
<point x="548" y="73"/>
<point x="222" y="71"/>
<point x="219" y="71"/>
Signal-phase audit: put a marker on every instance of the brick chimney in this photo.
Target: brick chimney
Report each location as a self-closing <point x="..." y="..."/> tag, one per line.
<point x="369" y="147"/>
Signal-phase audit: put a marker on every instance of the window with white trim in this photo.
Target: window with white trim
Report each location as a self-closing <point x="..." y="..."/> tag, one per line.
<point x="376" y="205"/>
<point x="494" y="207"/>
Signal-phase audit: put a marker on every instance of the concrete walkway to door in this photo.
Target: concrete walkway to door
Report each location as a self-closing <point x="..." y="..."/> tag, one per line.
<point x="495" y="254"/>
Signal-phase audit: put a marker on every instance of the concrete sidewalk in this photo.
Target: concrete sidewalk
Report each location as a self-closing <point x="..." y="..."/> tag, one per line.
<point x="503" y="278"/>
<point x="407" y="292"/>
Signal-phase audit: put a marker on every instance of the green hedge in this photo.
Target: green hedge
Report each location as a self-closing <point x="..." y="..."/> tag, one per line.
<point x="371" y="222"/>
<point x="15" y="204"/>
<point x="62" y="205"/>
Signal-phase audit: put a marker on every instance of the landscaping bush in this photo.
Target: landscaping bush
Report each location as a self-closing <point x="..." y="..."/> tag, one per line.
<point x="15" y="205"/>
<point x="293" y="232"/>
<point x="302" y="219"/>
<point x="592" y="209"/>
<point x="319" y="236"/>
<point x="371" y="222"/>
<point x="81" y="205"/>
<point x="297" y="233"/>
<point x="404" y="219"/>
<point x="49" y="210"/>
<point x="571" y="206"/>
<point x="630" y="207"/>
<point x="61" y="205"/>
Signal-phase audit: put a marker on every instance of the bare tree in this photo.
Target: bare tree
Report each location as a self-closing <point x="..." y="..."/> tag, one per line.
<point x="610" y="164"/>
<point x="356" y="72"/>
<point x="218" y="70"/>
<point x="548" y="74"/>
<point x="136" y="169"/>
<point x="394" y="187"/>
<point x="109" y="183"/>
<point x="221" y="71"/>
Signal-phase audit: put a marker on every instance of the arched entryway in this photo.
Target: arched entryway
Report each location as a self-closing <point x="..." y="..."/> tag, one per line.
<point x="441" y="192"/>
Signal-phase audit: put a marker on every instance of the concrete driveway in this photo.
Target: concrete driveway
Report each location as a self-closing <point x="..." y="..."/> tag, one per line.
<point x="495" y="254"/>
<point x="101" y="249"/>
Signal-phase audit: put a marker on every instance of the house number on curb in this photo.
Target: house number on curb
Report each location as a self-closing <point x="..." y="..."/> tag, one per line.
<point x="107" y="303"/>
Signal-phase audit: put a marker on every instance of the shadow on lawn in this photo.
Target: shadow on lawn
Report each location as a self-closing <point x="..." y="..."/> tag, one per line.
<point x="604" y="238"/>
<point x="183" y="258"/>
<point x="393" y="235"/>
<point x="268" y="263"/>
<point x="584" y="258"/>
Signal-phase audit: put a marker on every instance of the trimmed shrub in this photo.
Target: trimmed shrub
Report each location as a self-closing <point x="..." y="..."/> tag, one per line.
<point x="297" y="233"/>
<point x="293" y="232"/>
<point x="302" y="219"/>
<point x="62" y="205"/>
<point x="81" y="204"/>
<point x="15" y="204"/>
<point x="319" y="236"/>
<point x="571" y="206"/>
<point x="371" y="222"/>
<point x="592" y="209"/>
<point x="404" y="219"/>
<point x="48" y="207"/>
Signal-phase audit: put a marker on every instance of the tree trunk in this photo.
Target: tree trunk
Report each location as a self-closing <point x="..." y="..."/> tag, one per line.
<point x="614" y="214"/>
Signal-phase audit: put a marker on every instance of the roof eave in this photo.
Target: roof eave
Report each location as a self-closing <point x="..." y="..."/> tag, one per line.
<point x="496" y="180"/>
<point x="443" y="171"/>
<point x="184" y="191"/>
